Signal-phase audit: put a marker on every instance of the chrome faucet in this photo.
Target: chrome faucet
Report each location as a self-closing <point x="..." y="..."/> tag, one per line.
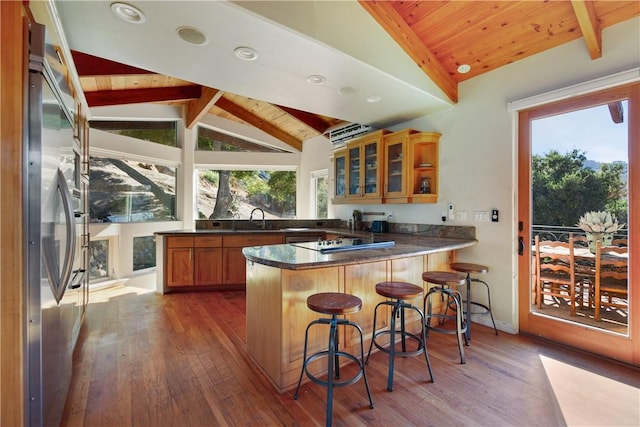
<point x="251" y="216"/>
<point x="233" y="220"/>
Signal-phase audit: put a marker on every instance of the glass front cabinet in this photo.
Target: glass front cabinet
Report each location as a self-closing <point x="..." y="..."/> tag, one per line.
<point x="358" y="170"/>
<point x="383" y="167"/>
<point x="395" y="154"/>
<point x="340" y="174"/>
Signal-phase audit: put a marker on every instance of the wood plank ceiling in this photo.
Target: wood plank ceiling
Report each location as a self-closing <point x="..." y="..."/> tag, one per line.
<point x="440" y="36"/>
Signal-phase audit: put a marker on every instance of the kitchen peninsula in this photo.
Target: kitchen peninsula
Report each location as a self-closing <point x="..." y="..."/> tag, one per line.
<point x="279" y="278"/>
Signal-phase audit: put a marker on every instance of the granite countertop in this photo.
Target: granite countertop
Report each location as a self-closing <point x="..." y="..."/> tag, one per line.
<point x="292" y="257"/>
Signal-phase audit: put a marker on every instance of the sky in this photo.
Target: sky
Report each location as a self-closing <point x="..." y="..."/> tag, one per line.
<point x="590" y="130"/>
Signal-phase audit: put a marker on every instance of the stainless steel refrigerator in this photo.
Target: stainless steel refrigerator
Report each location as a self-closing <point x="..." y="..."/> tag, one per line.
<point x="55" y="232"/>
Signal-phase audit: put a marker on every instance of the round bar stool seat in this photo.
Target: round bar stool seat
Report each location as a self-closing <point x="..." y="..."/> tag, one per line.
<point x="334" y="304"/>
<point x="468" y="268"/>
<point x="399" y="291"/>
<point x="451" y="297"/>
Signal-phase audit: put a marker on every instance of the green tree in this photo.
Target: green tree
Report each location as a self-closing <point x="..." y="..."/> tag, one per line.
<point x="282" y="186"/>
<point x="564" y="188"/>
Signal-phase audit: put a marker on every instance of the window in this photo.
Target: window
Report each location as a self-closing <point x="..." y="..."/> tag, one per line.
<point x="98" y="259"/>
<point x="320" y="193"/>
<point x="224" y="193"/>
<point x="131" y="191"/>
<point x="144" y="252"/>
<point x="211" y="140"/>
<point x="164" y="133"/>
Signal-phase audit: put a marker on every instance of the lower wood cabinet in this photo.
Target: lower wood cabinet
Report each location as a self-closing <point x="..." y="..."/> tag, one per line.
<point x="208" y="261"/>
<point x="179" y="261"/>
<point x="235" y="270"/>
<point x="213" y="261"/>
<point x="193" y="261"/>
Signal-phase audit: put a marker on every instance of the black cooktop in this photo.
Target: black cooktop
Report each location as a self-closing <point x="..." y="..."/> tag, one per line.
<point x="344" y="244"/>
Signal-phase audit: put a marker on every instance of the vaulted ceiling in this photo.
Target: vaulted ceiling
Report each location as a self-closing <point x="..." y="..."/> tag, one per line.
<point x="407" y="55"/>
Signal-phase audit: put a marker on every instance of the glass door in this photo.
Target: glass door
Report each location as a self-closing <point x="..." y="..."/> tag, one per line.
<point x="576" y="166"/>
<point x="354" y="171"/>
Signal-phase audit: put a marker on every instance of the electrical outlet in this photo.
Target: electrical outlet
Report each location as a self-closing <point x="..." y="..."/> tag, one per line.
<point x="452" y="214"/>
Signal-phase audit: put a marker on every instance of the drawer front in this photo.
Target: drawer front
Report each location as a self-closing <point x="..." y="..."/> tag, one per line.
<point x="252" y="240"/>
<point x="208" y="241"/>
<point x="179" y="242"/>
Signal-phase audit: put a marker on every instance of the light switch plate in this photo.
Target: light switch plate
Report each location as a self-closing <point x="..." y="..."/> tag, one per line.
<point x="461" y="216"/>
<point x="482" y="216"/>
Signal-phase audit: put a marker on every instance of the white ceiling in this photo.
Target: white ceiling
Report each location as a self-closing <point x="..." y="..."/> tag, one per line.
<point x="294" y="39"/>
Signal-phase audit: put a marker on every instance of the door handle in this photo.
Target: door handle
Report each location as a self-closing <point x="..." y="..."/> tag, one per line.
<point x="520" y="245"/>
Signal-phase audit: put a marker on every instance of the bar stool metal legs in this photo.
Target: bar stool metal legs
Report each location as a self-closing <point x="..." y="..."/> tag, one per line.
<point x="450" y="297"/>
<point x="399" y="291"/>
<point x="468" y="268"/>
<point x="330" y="303"/>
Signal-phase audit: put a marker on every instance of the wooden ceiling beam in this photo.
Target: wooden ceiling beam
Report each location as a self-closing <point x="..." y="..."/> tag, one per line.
<point x="588" y="20"/>
<point x="391" y="21"/>
<point x="136" y="96"/>
<point x="260" y="123"/>
<point x="199" y="107"/>
<point x="89" y="65"/>
<point x="616" y="111"/>
<point x="309" y="119"/>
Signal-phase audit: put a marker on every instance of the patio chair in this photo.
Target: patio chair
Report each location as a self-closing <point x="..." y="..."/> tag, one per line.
<point x="555" y="272"/>
<point x="611" y="287"/>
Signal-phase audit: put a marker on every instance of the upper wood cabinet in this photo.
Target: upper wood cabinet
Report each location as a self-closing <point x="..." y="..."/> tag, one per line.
<point x="423" y="167"/>
<point x="383" y="167"/>
<point x="358" y="170"/>
<point x="396" y="160"/>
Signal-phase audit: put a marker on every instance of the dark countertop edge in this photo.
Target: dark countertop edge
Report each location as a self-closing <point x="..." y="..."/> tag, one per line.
<point x="367" y="255"/>
<point x="407" y="238"/>
<point x="256" y="231"/>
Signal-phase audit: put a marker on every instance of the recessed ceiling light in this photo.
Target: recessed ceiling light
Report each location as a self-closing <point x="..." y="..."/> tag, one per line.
<point x="464" y="68"/>
<point x="316" y="79"/>
<point x="347" y="90"/>
<point x="246" y="53"/>
<point x="374" y="98"/>
<point x="128" y="13"/>
<point x="192" y="36"/>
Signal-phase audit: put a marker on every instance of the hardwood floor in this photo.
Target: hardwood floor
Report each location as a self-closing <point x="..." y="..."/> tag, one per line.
<point x="179" y="360"/>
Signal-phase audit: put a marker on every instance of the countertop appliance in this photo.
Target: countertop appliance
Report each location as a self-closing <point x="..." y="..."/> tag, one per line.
<point x="379" y="226"/>
<point x="55" y="283"/>
<point x="343" y="244"/>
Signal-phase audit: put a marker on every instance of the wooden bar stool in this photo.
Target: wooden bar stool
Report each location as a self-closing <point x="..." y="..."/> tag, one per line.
<point x="468" y="268"/>
<point x="399" y="291"/>
<point x="334" y="304"/>
<point x="451" y="297"/>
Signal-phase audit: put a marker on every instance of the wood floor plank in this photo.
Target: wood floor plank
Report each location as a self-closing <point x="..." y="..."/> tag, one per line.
<point x="145" y="359"/>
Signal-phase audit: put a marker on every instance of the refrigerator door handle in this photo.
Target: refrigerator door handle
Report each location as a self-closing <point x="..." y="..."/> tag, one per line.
<point x="59" y="283"/>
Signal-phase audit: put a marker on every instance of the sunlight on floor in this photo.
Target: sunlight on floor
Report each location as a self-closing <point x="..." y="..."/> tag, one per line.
<point x="104" y="294"/>
<point x="588" y="399"/>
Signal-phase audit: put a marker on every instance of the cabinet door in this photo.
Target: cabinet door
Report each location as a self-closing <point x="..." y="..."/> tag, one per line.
<point x="179" y="267"/>
<point x="395" y="169"/>
<point x="353" y="176"/>
<point x="235" y="268"/>
<point x="340" y="170"/>
<point x="370" y="168"/>
<point x="208" y="266"/>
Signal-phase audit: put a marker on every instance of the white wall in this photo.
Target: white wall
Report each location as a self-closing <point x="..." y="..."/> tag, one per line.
<point x="478" y="151"/>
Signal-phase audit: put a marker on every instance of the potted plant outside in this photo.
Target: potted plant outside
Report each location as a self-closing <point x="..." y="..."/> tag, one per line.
<point x="599" y="225"/>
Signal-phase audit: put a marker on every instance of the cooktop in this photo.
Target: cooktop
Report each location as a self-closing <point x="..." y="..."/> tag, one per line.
<point x="343" y="244"/>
